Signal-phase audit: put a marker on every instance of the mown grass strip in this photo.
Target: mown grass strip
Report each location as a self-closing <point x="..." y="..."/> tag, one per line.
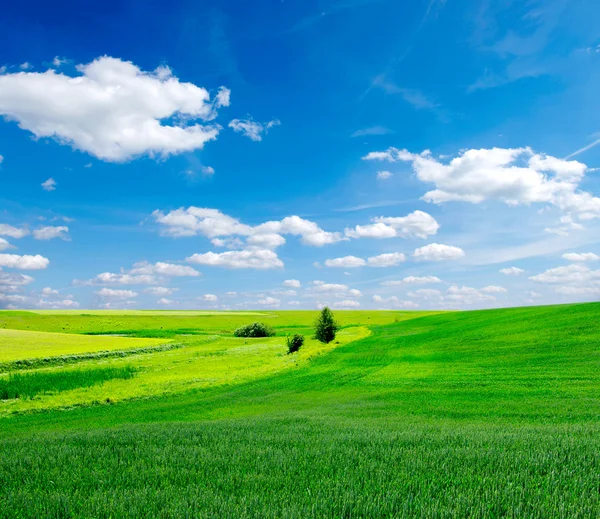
<point x="58" y="360"/>
<point x="29" y="385"/>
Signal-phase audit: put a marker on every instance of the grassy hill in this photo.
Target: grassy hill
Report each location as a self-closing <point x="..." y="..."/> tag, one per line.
<point x="466" y="414"/>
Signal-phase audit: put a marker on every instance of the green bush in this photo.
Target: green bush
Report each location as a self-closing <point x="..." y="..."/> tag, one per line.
<point x="294" y="342"/>
<point x="255" y="330"/>
<point x="325" y="326"/>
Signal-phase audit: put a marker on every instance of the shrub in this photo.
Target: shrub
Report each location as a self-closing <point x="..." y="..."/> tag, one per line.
<point x="255" y="330"/>
<point x="325" y="326"/>
<point x="294" y="342"/>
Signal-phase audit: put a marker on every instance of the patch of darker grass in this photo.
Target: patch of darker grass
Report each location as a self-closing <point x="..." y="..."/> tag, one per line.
<point x="29" y="385"/>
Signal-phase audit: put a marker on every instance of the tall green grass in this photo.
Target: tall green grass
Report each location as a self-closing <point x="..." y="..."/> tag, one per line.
<point x="29" y="385"/>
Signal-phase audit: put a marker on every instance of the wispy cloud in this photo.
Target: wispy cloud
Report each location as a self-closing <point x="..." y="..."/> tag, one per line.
<point x="372" y="130"/>
<point x="591" y="145"/>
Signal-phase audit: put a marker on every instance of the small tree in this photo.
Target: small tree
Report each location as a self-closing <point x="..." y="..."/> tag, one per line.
<point x="294" y="342"/>
<point x="325" y="326"/>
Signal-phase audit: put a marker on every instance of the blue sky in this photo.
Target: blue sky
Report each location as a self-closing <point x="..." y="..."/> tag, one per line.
<point x="287" y="154"/>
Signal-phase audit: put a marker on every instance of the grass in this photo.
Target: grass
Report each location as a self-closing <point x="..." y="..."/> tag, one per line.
<point x="465" y="414"/>
<point x="20" y="344"/>
<point x="18" y="385"/>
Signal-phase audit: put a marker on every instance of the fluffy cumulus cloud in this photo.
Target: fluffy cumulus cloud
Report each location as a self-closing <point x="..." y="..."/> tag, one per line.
<point x="25" y="262"/>
<point x="292" y="283"/>
<point x="162" y="268"/>
<point x="261" y="259"/>
<point x="417" y="224"/>
<point x="49" y="185"/>
<point x="252" y="129"/>
<point x="210" y="298"/>
<point x="583" y="256"/>
<point x="346" y="304"/>
<point x="575" y="279"/>
<point x="51" y="232"/>
<point x="384" y="175"/>
<point x="142" y="273"/>
<point x="4" y="244"/>
<point x="112" y="109"/>
<point x="466" y="296"/>
<point x="111" y="293"/>
<point x="412" y="280"/>
<point x="393" y="301"/>
<point x="438" y="252"/>
<point x="13" y="232"/>
<point x="159" y="291"/>
<point x="514" y="176"/>
<point x="320" y="288"/>
<point x="345" y="262"/>
<point x="269" y="301"/>
<point x="512" y="271"/>
<point x="212" y="223"/>
<point x="390" y="259"/>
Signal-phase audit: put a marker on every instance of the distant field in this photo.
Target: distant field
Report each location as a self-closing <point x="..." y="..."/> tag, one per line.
<point x="464" y="414"/>
<point x="19" y="344"/>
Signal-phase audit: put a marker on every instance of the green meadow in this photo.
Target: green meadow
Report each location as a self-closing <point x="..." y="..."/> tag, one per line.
<point x="138" y="414"/>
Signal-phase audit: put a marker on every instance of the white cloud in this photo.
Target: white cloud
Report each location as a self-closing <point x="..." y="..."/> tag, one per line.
<point x="466" y="295"/>
<point x="111" y="293"/>
<point x="162" y="268"/>
<point x="417" y="224"/>
<point x="113" y="110"/>
<point x="390" y="259"/>
<point x="25" y="66"/>
<point x="569" y="274"/>
<point x="394" y="301"/>
<point x="142" y="273"/>
<point x="212" y="223"/>
<point x="438" y="252"/>
<point x="584" y="256"/>
<point x="210" y="297"/>
<point x="13" y="232"/>
<point x="10" y="281"/>
<point x="513" y="176"/>
<point x="240" y="259"/>
<point x="164" y="301"/>
<point x="269" y="301"/>
<point x="49" y="233"/>
<point x="345" y="262"/>
<point x="25" y="262"/>
<point x="252" y="129"/>
<point x="512" y="271"/>
<point x="320" y="288"/>
<point x="160" y="291"/>
<point x="293" y="303"/>
<point x="292" y="283"/>
<point x="49" y="185"/>
<point x="427" y="293"/>
<point x="412" y="280"/>
<point x="4" y="244"/>
<point x="1" y="159"/>
<point x="346" y="303"/>
<point x="266" y="241"/>
<point x="494" y="289"/>
<point x="208" y="170"/>
<point x="47" y="291"/>
<point x="64" y="303"/>
<point x="384" y="175"/>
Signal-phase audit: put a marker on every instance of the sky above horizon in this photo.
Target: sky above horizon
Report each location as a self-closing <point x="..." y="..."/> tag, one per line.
<point x="293" y="154"/>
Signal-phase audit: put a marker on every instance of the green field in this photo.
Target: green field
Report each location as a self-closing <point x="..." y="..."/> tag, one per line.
<point x="490" y="413"/>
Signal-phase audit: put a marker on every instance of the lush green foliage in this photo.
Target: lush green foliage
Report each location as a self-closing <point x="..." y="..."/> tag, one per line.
<point x="28" y="385"/>
<point x="294" y="342"/>
<point x="474" y="414"/>
<point x="325" y="326"/>
<point x="254" y="330"/>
